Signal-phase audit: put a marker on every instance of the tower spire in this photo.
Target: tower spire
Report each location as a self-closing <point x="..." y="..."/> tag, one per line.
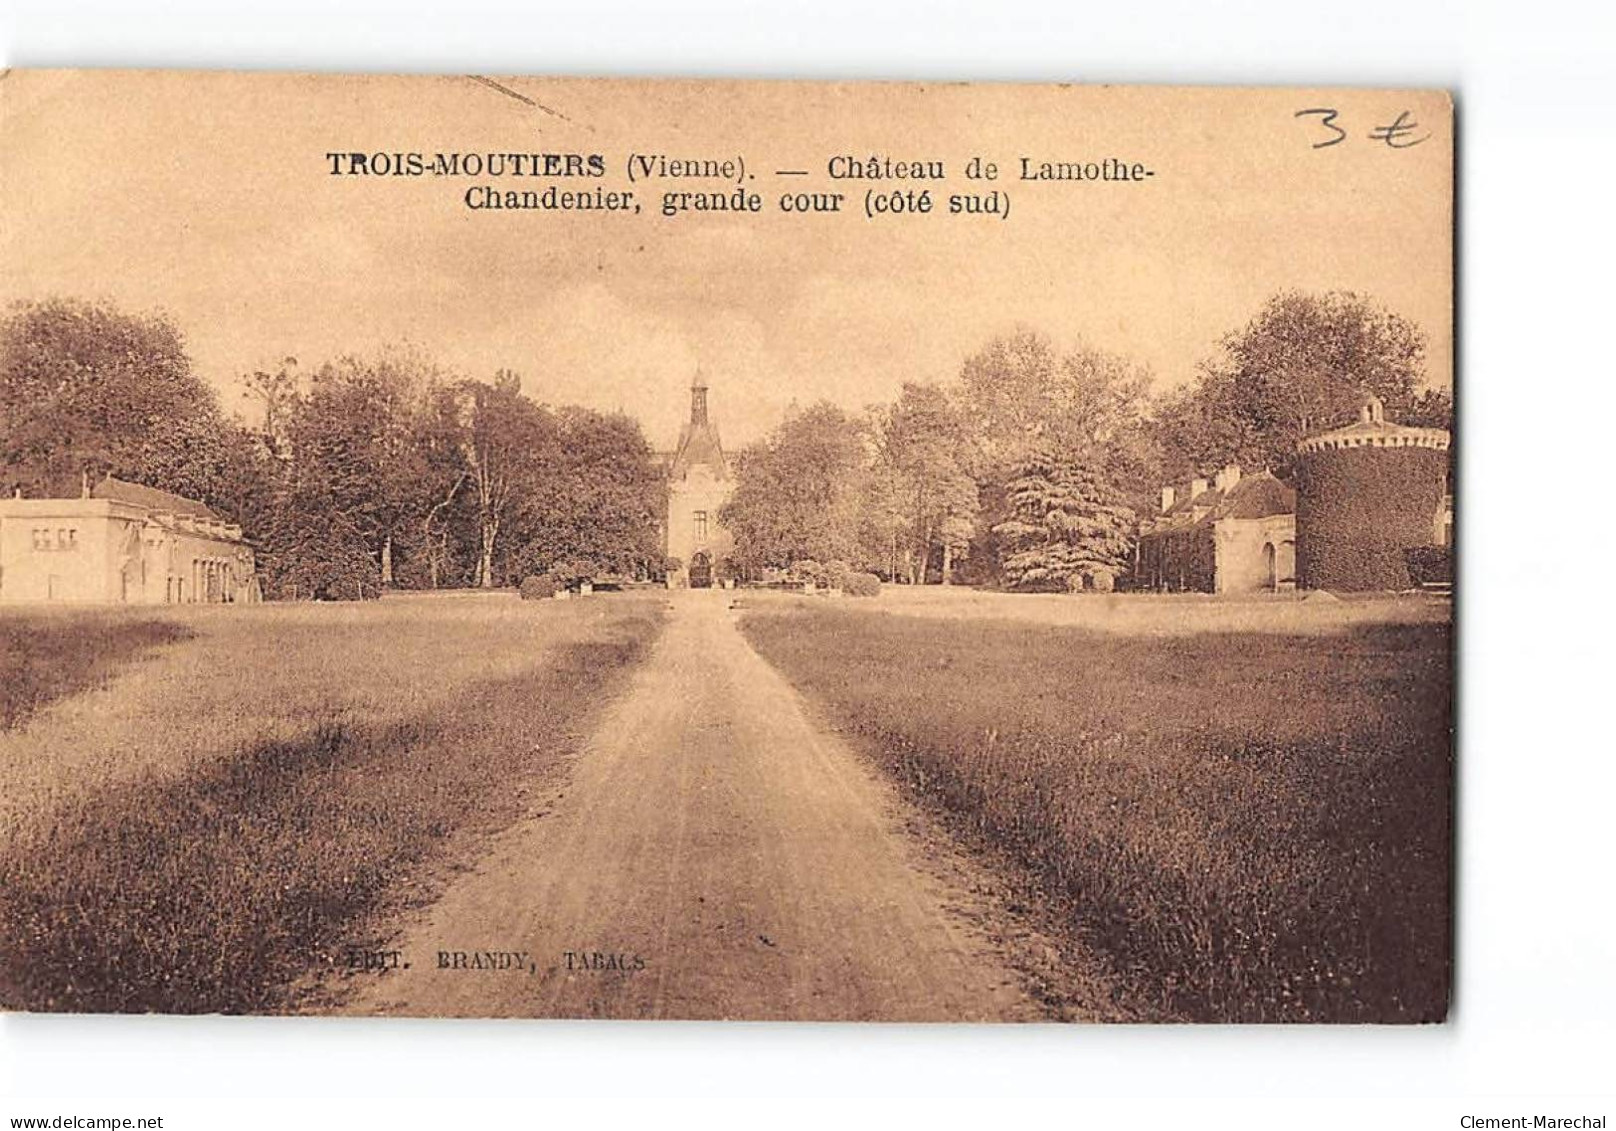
<point x="698" y="399"/>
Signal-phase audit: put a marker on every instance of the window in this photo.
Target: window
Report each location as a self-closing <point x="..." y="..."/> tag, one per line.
<point x="67" y="538"/>
<point x="701" y="527"/>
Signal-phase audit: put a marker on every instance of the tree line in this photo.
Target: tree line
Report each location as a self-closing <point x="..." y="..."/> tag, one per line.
<point x="353" y="476"/>
<point x="1034" y="466"/>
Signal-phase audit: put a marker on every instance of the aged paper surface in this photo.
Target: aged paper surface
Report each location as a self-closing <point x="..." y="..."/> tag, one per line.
<point x="524" y="547"/>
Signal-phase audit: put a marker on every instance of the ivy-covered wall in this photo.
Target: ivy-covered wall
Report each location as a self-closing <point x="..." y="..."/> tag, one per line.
<point x="1358" y="509"/>
<point x="1183" y="559"/>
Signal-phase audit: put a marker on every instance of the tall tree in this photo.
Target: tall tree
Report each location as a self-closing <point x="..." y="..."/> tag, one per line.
<point x="354" y="483"/>
<point x="926" y="446"/>
<point x="440" y="443"/>
<point x="1023" y="395"/>
<point x="510" y="445"/>
<point x="277" y="391"/>
<point x="797" y="493"/>
<point x="1068" y="521"/>
<point x="884" y="525"/>
<point x="1431" y="408"/>
<point x="1303" y="364"/>
<point x="617" y="495"/>
<point x="86" y="389"/>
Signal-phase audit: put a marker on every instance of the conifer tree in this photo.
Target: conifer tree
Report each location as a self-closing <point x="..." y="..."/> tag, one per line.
<point x="1067" y="521"/>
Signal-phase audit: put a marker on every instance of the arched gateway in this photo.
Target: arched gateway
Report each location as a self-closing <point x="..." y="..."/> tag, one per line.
<point x="701" y="571"/>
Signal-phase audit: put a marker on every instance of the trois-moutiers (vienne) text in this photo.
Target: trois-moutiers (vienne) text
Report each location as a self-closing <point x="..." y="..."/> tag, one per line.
<point x="876" y="187"/>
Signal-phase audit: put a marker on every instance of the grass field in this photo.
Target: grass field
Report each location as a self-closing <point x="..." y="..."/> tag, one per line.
<point x="1248" y="825"/>
<point x="44" y="657"/>
<point x="225" y="815"/>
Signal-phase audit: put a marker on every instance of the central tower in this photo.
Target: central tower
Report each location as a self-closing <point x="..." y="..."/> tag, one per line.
<point x="699" y="485"/>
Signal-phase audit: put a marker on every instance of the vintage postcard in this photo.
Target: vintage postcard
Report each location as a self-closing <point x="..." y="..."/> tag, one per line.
<point x="496" y="546"/>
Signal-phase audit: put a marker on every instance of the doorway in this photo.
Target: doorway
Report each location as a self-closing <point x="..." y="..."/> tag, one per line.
<point x="701" y="572"/>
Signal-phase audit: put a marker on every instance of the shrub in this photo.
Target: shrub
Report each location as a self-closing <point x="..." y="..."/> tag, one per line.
<point x="1428" y="565"/>
<point x="1102" y="581"/>
<point x="836" y="572"/>
<point x="570" y="574"/>
<point x="538" y="588"/>
<point x="861" y="585"/>
<point x="808" y="570"/>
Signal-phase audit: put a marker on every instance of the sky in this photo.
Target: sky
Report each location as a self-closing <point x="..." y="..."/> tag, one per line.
<point x="209" y="197"/>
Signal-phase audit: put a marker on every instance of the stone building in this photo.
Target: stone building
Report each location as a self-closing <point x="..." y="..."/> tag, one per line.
<point x="1367" y="494"/>
<point x="122" y="543"/>
<point x="1234" y="535"/>
<point x="699" y="484"/>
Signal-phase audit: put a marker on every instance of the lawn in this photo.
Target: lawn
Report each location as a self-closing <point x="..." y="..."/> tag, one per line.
<point x="207" y="827"/>
<point x="1249" y="825"/>
<point x="46" y="656"/>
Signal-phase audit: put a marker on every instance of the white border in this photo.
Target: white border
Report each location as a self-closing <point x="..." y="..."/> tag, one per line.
<point x="1536" y="954"/>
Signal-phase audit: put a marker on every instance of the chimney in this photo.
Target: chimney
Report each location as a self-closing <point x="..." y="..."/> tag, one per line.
<point x="1197" y="488"/>
<point x="1167" y="499"/>
<point x="1227" y="478"/>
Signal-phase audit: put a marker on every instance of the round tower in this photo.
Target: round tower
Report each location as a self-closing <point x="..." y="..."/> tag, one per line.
<point x="1366" y="494"/>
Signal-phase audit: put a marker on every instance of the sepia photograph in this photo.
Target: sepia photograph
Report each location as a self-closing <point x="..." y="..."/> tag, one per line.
<point x="493" y="546"/>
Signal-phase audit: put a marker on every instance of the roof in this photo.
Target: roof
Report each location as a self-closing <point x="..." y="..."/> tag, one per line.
<point x="1372" y="429"/>
<point x="1255" y="496"/>
<point x="1184" y="502"/>
<point x="698" y="444"/>
<point x="149" y="497"/>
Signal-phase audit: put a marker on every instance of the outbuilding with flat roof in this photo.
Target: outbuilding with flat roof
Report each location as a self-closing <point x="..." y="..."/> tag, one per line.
<point x="122" y="543"/>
